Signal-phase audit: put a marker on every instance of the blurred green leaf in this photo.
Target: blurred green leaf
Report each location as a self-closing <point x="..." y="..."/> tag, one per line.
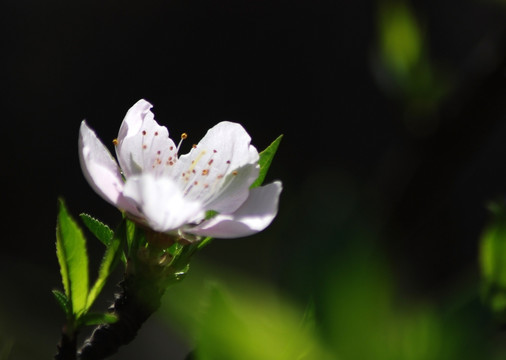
<point x="493" y="258"/>
<point x="400" y="40"/>
<point x="109" y="261"/>
<point x="94" y="318"/>
<point x="265" y="160"/>
<point x="243" y="320"/>
<point x="404" y="69"/>
<point x="99" y="229"/>
<point x="73" y="259"/>
<point x="493" y="248"/>
<point x="365" y="317"/>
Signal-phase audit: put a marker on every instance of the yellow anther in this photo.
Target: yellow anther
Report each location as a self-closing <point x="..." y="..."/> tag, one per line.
<point x="115" y="142"/>
<point x="184" y="136"/>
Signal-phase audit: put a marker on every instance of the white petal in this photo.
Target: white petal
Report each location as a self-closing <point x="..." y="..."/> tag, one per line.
<point x="223" y="165"/>
<point x="161" y="202"/>
<point x="98" y="165"/>
<point x="143" y="145"/>
<point x="227" y="144"/>
<point x="253" y="216"/>
<point x="234" y="190"/>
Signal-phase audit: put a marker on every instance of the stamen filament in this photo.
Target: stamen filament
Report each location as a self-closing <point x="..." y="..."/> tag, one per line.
<point x="183" y="137"/>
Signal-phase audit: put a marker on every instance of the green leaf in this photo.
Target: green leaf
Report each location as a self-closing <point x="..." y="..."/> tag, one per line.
<point x="63" y="301"/>
<point x="99" y="229"/>
<point x="94" y="318"/>
<point x="109" y="261"/>
<point x="265" y="160"/>
<point x="73" y="259"/>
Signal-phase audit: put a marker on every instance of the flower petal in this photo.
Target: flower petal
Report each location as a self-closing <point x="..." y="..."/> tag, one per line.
<point x="161" y="202"/>
<point x="255" y="214"/>
<point x="234" y="190"/>
<point x="98" y="165"/>
<point x="224" y="164"/>
<point x="143" y="145"/>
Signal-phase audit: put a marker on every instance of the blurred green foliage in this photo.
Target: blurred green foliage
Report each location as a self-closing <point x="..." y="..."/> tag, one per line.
<point x="404" y="68"/>
<point x="360" y="315"/>
<point x="401" y="41"/>
<point x="239" y="319"/>
<point x="366" y="317"/>
<point x="493" y="260"/>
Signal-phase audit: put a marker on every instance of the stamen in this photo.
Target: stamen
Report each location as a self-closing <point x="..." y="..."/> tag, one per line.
<point x="197" y="159"/>
<point x="115" y="142"/>
<point x="183" y="137"/>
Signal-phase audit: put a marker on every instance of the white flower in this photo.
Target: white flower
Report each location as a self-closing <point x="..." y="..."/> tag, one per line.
<point x="173" y="194"/>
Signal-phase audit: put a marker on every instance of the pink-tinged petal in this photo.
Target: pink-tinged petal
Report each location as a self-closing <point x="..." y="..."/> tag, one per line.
<point x="222" y="165"/>
<point x="255" y="214"/>
<point x="143" y="145"/>
<point x="227" y="144"/>
<point x="98" y="165"/>
<point x="161" y="202"/>
<point x="233" y="191"/>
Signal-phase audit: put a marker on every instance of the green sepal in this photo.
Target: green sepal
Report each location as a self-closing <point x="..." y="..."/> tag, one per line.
<point x="204" y="242"/>
<point x="134" y="237"/>
<point x="175" y="249"/>
<point x="99" y="229"/>
<point x="111" y="257"/>
<point x="73" y="259"/>
<point x="210" y="214"/>
<point x="180" y="265"/>
<point x="63" y="301"/>
<point x="95" y="318"/>
<point x="265" y="160"/>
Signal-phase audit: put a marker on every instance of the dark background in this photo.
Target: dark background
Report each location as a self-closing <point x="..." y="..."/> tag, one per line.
<point x="356" y="158"/>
